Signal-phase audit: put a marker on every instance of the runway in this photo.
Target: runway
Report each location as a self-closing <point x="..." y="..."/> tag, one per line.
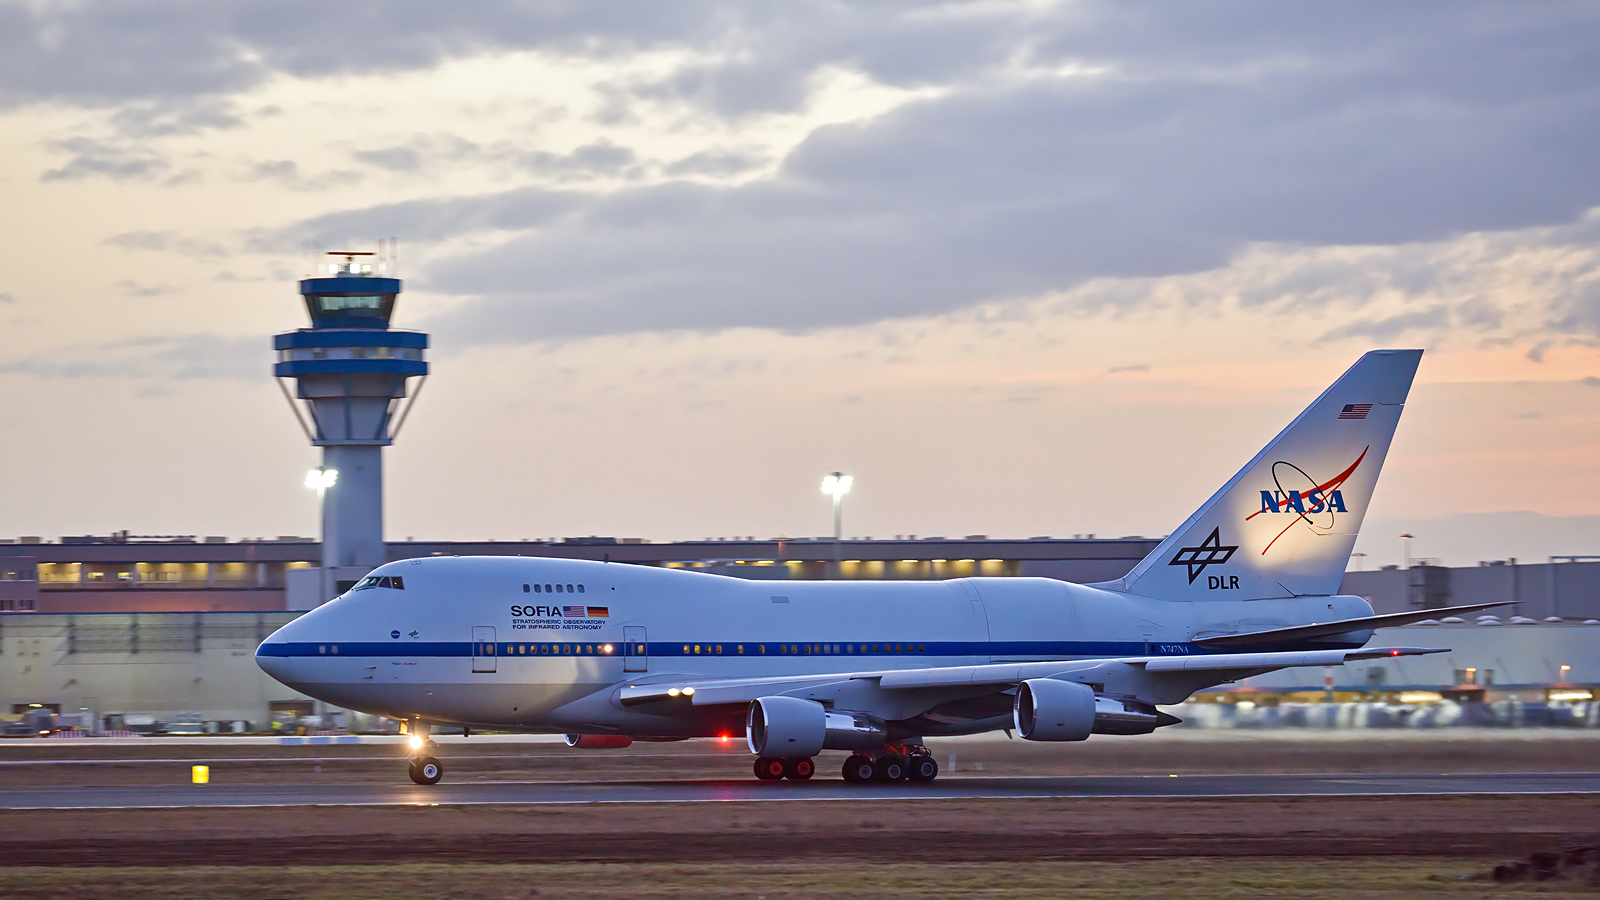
<point x="962" y="787"/>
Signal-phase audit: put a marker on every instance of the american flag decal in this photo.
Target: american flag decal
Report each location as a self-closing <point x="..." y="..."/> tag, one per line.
<point x="579" y="612"/>
<point x="599" y="612"/>
<point x="1355" y="410"/>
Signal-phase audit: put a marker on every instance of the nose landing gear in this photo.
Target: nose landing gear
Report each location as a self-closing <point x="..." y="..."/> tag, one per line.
<point x="426" y="770"/>
<point x="422" y="765"/>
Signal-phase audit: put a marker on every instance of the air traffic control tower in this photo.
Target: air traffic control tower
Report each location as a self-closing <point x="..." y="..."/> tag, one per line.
<point x="351" y="370"/>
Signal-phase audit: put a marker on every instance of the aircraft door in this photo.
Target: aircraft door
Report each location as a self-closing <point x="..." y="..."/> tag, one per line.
<point x="483" y="646"/>
<point x="635" y="649"/>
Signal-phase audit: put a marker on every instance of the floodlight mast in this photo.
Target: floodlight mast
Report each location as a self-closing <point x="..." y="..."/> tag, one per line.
<point x="837" y="484"/>
<point x="351" y="370"/>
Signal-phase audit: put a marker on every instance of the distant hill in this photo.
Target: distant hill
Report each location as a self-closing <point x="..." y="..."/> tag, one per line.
<point x="1466" y="538"/>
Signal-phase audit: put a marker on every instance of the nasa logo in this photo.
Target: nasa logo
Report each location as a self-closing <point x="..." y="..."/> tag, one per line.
<point x="395" y="634"/>
<point x="1310" y="502"/>
<point x="1323" y="499"/>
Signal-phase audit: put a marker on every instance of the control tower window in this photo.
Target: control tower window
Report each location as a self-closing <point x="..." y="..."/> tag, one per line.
<point x="348" y="306"/>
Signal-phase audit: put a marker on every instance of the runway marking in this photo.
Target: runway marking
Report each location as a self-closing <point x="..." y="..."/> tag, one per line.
<point x="666" y="792"/>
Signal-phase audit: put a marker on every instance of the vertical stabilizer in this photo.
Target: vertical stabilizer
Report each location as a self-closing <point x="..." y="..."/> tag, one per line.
<point x="1285" y="525"/>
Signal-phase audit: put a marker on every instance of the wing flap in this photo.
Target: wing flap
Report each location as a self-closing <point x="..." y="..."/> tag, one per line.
<point x="1343" y="626"/>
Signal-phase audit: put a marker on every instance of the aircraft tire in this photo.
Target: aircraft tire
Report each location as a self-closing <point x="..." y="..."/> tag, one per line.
<point x="426" y="770"/>
<point x="923" y="768"/>
<point x="799" y="769"/>
<point x="769" y="768"/>
<point x="858" y="769"/>
<point x="890" y="768"/>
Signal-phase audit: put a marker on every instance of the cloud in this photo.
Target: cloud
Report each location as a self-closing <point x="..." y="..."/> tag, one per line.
<point x="92" y="157"/>
<point x="1046" y="148"/>
<point x="720" y="164"/>
<point x="1141" y="367"/>
<point x="179" y="357"/>
<point x="286" y="172"/>
<point x="153" y="51"/>
<point x="7" y="298"/>
<point x="1591" y="381"/>
<point x="601" y="158"/>
<point x="134" y="289"/>
<point x="163" y="242"/>
<point x="1196" y="136"/>
<point x="1387" y="329"/>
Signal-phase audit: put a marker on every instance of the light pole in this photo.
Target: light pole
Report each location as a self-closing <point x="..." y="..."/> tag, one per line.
<point x="1405" y="542"/>
<point x="1361" y="559"/>
<point x="837" y="484"/>
<point x="320" y="480"/>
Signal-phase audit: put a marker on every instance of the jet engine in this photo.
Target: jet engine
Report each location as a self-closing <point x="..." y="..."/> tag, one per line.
<point x="598" y="741"/>
<point x="1051" y="710"/>
<point x="789" y="727"/>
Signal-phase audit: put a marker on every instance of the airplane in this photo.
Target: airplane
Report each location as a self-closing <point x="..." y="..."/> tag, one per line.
<point x="609" y="653"/>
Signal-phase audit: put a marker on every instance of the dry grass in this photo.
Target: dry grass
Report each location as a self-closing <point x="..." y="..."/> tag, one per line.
<point x="1188" y="878"/>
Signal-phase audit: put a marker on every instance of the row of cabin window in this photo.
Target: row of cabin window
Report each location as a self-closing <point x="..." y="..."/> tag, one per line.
<point x="552" y="649"/>
<point x="557" y="589"/>
<point x="714" y="649"/>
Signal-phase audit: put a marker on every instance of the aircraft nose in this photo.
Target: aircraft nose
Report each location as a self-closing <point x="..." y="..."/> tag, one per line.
<point x="272" y="657"/>
<point x="275" y="656"/>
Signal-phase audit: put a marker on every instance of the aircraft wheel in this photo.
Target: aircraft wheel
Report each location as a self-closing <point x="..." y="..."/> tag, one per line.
<point x="426" y="770"/>
<point x="769" y="768"/>
<point x="858" y="769"/>
<point x="923" y="768"/>
<point x="890" y="768"/>
<point x="799" y="769"/>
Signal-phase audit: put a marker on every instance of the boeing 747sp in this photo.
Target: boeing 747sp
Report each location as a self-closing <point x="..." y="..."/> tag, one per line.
<point x="609" y="653"/>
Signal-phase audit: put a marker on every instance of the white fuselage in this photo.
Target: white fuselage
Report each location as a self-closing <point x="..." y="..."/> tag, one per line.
<point x="505" y="642"/>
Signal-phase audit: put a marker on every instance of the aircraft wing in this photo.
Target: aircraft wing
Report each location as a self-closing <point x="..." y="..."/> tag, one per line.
<point x="1343" y="626"/>
<point x="700" y="691"/>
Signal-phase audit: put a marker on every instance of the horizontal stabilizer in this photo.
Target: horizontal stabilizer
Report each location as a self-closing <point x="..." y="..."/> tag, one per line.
<point x="1343" y="626"/>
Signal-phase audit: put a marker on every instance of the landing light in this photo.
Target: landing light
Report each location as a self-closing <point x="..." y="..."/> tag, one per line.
<point x="688" y="692"/>
<point x="673" y="692"/>
<point x="416" y="742"/>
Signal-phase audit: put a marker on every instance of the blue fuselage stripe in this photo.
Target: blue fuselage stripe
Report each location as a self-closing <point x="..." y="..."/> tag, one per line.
<point x="663" y="649"/>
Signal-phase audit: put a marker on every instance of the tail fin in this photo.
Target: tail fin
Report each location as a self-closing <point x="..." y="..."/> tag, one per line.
<point x="1284" y="526"/>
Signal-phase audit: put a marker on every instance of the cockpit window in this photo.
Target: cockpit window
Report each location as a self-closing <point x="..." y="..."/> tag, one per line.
<point x="395" y="582"/>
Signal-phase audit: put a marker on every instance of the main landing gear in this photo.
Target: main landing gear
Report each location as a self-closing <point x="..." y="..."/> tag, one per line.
<point x="895" y="763"/>
<point x="422" y="765"/>
<point x="891" y="764"/>
<point x="771" y="768"/>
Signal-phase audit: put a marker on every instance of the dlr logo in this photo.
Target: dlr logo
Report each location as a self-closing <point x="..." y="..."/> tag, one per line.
<point x="1222" y="582"/>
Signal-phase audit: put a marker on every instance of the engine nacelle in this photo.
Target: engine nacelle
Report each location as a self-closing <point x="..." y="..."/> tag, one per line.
<point x="789" y="727"/>
<point x="598" y="741"/>
<point x="1051" y="710"/>
<point x="785" y="727"/>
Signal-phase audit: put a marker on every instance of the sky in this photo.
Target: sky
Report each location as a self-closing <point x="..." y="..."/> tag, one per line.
<point x="1021" y="268"/>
